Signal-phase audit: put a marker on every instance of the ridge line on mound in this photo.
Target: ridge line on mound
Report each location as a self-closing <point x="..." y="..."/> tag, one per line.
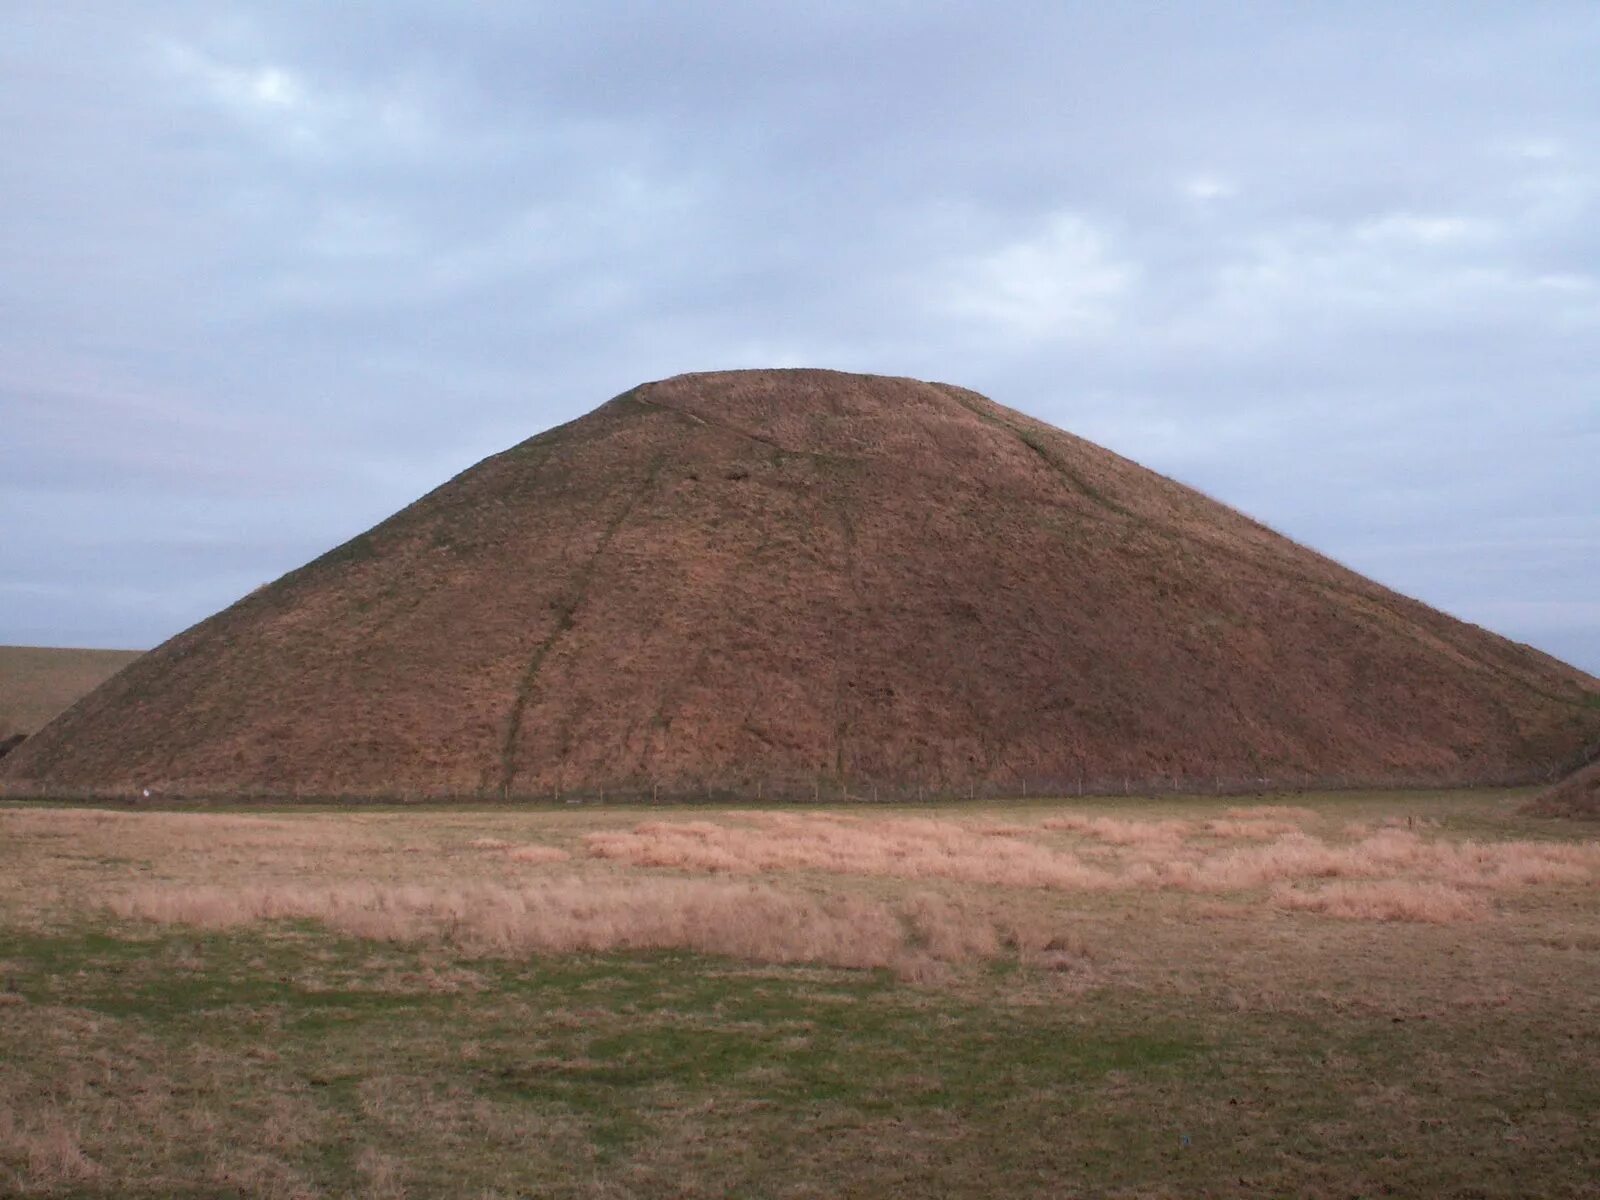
<point x="1078" y="483"/>
<point x="1413" y="628"/>
<point x="519" y="703"/>
<point x="1382" y="597"/>
<point x="771" y="443"/>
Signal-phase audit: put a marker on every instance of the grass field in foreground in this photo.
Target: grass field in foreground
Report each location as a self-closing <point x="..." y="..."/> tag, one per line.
<point x="1329" y="996"/>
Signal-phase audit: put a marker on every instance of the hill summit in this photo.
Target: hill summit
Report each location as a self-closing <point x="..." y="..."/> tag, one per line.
<point x="808" y="582"/>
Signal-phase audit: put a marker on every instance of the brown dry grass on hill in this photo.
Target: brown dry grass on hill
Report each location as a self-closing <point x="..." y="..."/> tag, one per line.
<point x="1576" y="796"/>
<point x="810" y="582"/>
<point x="38" y="683"/>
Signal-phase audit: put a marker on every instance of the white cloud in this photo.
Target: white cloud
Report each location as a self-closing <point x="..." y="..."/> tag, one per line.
<point x="1205" y="188"/>
<point x="1398" y="270"/>
<point x="283" y="103"/>
<point x="269" y="86"/>
<point x="269" y="96"/>
<point x="402" y="229"/>
<point x="1424" y="230"/>
<point x="1566" y="282"/>
<point x="1066" y="282"/>
<point x="273" y="87"/>
<point x="1539" y="148"/>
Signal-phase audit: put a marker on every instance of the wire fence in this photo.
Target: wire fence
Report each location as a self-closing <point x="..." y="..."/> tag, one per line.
<point x="819" y="789"/>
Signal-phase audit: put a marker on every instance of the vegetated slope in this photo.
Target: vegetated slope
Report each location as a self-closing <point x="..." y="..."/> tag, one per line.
<point x="807" y="580"/>
<point x="37" y="683"/>
<point x="1578" y="795"/>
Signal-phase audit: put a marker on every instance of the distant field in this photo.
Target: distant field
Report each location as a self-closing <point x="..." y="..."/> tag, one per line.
<point x="1331" y="996"/>
<point x="38" y="682"/>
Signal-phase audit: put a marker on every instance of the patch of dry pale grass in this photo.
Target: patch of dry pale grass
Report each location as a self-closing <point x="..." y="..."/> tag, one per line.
<point x="48" y="1147"/>
<point x="465" y="878"/>
<point x="1121" y="831"/>
<point x="1288" y="812"/>
<point x="1259" y="830"/>
<point x="1385" y="900"/>
<point x="739" y="920"/>
<point x="1158" y="855"/>
<point x="382" y="1174"/>
<point x="900" y="848"/>
<point x="534" y="855"/>
<point x="530" y="853"/>
<point x="1390" y="853"/>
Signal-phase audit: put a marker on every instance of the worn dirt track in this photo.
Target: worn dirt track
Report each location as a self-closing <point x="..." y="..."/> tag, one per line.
<point x="804" y="581"/>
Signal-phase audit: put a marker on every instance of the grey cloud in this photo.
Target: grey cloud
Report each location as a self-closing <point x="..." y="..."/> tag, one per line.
<point x="273" y="270"/>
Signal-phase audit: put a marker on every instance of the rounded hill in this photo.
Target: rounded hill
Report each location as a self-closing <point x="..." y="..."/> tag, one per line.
<point x="805" y="582"/>
<point x="1578" y="795"/>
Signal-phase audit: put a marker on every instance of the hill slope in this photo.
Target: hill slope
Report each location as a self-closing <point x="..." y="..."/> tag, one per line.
<point x="806" y="579"/>
<point x="1578" y="795"/>
<point x="38" y="683"/>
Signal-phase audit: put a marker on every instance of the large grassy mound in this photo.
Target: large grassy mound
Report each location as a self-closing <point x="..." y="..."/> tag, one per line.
<point x="1578" y="795"/>
<point x="806" y="582"/>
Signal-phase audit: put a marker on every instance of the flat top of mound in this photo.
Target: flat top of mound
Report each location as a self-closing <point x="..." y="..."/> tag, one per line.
<point x="812" y="582"/>
<point x="38" y="683"/>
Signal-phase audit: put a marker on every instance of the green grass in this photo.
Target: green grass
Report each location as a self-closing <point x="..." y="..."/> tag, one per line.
<point x="667" y="1074"/>
<point x="780" y="1066"/>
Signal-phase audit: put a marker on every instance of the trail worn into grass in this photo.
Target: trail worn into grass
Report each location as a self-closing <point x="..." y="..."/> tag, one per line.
<point x="1174" y="1043"/>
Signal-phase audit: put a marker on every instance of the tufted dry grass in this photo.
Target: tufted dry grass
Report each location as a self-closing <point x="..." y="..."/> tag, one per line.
<point x="1248" y="852"/>
<point x="753" y="883"/>
<point x="569" y="915"/>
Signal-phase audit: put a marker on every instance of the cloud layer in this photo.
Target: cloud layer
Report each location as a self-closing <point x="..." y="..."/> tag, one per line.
<point x="273" y="271"/>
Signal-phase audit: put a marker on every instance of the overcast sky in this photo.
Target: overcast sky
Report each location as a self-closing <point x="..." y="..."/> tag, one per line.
<point x="270" y="271"/>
